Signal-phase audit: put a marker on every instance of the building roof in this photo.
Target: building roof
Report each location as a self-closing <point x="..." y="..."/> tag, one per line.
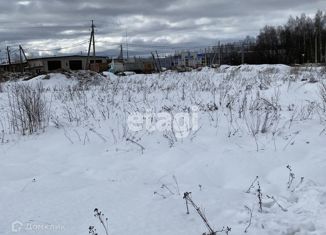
<point x="12" y="64"/>
<point x="66" y="56"/>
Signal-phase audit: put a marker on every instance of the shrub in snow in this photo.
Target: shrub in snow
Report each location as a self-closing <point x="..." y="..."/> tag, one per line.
<point x="262" y="116"/>
<point x="322" y="93"/>
<point x="2" y="137"/>
<point x="28" y="108"/>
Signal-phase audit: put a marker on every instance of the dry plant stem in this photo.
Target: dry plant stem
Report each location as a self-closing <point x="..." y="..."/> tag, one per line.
<point x="252" y="184"/>
<point x="139" y="145"/>
<point x="260" y="197"/>
<point x="98" y="214"/>
<point x="250" y="218"/>
<point x="277" y="203"/>
<point x="177" y="185"/>
<point x="187" y="197"/>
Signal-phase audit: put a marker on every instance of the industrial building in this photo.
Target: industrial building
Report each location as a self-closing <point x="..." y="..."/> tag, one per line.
<point x="49" y="64"/>
<point x="75" y="62"/>
<point x="137" y="65"/>
<point x="189" y="59"/>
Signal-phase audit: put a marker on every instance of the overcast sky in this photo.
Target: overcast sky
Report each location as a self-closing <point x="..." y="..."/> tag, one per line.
<point x="52" y="24"/>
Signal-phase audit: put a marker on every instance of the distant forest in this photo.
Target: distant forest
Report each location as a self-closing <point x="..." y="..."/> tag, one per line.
<point x="301" y="40"/>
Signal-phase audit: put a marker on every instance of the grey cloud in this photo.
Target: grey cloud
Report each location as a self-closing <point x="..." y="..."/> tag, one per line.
<point x="155" y="20"/>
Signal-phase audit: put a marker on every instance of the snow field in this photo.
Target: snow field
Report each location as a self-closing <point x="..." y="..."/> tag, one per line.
<point x="253" y="121"/>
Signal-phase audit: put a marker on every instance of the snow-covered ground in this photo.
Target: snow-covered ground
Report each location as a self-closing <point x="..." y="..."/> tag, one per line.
<point x="252" y="121"/>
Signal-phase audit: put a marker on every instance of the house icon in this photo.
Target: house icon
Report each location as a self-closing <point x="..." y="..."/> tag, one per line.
<point x="16" y="226"/>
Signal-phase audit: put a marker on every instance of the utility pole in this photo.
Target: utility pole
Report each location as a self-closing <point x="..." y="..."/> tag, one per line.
<point x="121" y="52"/>
<point x="93" y="30"/>
<point x="216" y="50"/>
<point x="154" y="60"/>
<point x="9" y="60"/>
<point x="89" y="49"/>
<point x="159" y="61"/>
<point x="205" y="57"/>
<point x="91" y="41"/>
<point x="127" y="45"/>
<point x="23" y="52"/>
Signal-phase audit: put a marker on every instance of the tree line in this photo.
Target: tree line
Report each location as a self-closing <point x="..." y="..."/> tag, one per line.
<point x="301" y="40"/>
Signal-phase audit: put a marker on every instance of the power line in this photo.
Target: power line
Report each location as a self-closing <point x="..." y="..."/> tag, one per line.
<point x="61" y="48"/>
